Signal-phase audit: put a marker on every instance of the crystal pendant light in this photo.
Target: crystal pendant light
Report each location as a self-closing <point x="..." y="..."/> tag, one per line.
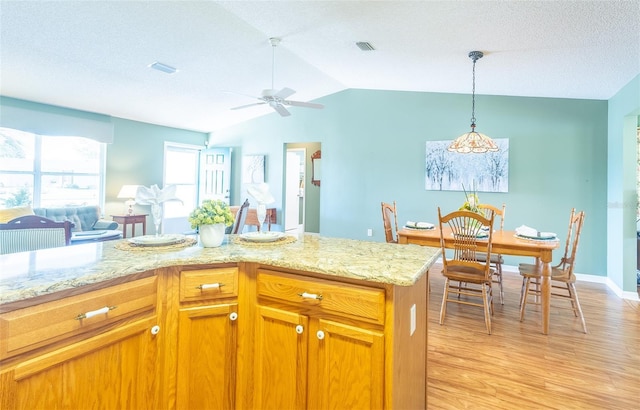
<point x="473" y="141"/>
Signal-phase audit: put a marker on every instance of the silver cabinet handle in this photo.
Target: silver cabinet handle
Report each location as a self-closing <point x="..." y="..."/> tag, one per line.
<point x="233" y="316"/>
<point x="299" y="329"/>
<point x="206" y="286"/>
<point x="320" y="334"/>
<point x="96" y="312"/>
<point x="306" y="295"/>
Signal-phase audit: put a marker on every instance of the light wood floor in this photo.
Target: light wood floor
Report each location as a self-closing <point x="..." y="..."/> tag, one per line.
<point x="517" y="367"/>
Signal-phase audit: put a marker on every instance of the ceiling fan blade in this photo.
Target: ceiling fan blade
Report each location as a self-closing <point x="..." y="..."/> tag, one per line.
<point x="284" y="93"/>
<point x="236" y="93"/>
<point x="303" y="104"/>
<point x="247" y="105"/>
<point x="281" y="110"/>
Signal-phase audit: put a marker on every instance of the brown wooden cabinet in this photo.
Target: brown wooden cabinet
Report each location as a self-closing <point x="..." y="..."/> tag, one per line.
<point x="227" y="336"/>
<point x="207" y="339"/>
<point x="94" y="350"/>
<point x="313" y="337"/>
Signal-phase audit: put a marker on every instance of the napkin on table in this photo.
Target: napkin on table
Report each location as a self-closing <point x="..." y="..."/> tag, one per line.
<point x="421" y="225"/>
<point x="525" y="230"/>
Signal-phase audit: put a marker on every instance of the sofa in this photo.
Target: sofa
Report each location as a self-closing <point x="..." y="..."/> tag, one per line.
<point x="84" y="218"/>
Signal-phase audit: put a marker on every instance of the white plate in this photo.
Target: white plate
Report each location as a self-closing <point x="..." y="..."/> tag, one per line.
<point x="160" y="240"/>
<point x="541" y="236"/>
<point x="261" y="236"/>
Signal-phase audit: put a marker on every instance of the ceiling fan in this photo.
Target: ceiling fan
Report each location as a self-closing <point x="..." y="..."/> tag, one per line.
<point x="278" y="99"/>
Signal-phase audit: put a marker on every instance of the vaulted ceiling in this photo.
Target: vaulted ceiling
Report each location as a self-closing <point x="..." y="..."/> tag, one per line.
<point x="94" y="55"/>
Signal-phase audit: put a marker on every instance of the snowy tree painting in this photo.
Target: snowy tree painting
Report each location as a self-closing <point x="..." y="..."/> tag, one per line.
<point x="450" y="171"/>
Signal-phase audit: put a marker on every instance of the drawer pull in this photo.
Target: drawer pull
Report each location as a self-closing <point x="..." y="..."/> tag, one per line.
<point x="299" y="329"/>
<point x="93" y="313"/>
<point x="206" y="286"/>
<point x="306" y="295"/>
<point x="233" y="316"/>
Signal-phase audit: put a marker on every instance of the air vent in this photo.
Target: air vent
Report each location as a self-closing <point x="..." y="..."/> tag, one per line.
<point x="163" y="67"/>
<point x="365" y="46"/>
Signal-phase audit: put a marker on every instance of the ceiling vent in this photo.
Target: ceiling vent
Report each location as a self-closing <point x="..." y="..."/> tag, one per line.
<point x="163" y="67"/>
<point x="365" y="46"/>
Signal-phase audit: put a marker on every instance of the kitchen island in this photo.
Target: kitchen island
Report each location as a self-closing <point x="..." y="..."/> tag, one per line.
<point x="329" y="320"/>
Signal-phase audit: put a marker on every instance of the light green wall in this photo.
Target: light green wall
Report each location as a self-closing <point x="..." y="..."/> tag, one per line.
<point x="373" y="147"/>
<point x="623" y="120"/>
<point x="136" y="157"/>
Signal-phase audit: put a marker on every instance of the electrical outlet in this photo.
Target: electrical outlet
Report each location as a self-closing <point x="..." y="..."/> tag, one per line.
<point x="412" y="327"/>
<point x="369" y="232"/>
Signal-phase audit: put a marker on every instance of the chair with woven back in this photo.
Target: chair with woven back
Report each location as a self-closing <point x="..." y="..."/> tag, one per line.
<point x="563" y="278"/>
<point x="240" y="218"/>
<point x="389" y="213"/>
<point x="460" y="263"/>
<point x="496" y="259"/>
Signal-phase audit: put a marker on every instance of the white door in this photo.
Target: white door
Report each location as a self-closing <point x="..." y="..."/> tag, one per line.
<point x="215" y="174"/>
<point x="294" y="192"/>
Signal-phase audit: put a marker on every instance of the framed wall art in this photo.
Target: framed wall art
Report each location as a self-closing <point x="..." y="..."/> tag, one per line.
<point x="253" y="169"/>
<point x="451" y="171"/>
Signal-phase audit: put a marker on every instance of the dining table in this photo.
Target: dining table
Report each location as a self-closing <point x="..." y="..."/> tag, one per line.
<point x="502" y="242"/>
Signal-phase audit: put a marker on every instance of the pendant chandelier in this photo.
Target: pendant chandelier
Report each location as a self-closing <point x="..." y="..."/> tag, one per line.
<point x="473" y="141"/>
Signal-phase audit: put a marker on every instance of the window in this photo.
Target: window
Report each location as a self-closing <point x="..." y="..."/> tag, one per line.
<point x="181" y="170"/>
<point x="50" y="171"/>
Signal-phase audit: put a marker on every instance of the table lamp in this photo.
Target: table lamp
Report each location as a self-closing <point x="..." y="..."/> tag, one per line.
<point x="128" y="191"/>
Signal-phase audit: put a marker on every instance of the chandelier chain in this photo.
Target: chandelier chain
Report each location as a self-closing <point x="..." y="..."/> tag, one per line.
<point x="473" y="96"/>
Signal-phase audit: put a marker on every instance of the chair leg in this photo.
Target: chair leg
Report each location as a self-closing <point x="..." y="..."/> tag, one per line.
<point x="445" y="296"/>
<point x="486" y="291"/>
<point x="499" y="274"/>
<point x="523" y="302"/>
<point x="576" y="303"/>
<point x="522" y="291"/>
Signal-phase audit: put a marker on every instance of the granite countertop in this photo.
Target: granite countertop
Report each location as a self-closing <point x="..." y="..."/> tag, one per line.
<point x="27" y="275"/>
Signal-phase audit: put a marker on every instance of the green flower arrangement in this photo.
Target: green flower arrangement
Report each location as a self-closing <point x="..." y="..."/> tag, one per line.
<point x="472" y="201"/>
<point x="211" y="212"/>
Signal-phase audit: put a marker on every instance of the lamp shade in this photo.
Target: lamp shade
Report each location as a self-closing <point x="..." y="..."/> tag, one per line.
<point x="128" y="191"/>
<point x="473" y="142"/>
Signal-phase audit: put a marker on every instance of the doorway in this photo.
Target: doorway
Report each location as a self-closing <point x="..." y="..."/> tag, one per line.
<point x="300" y="198"/>
<point x="294" y="190"/>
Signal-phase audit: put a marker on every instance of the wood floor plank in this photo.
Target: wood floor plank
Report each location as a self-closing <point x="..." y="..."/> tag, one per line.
<point x="517" y="367"/>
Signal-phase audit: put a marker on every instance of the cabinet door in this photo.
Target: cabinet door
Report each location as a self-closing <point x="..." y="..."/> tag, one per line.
<point x="115" y="370"/>
<point x="343" y="355"/>
<point x="207" y="357"/>
<point x="280" y="374"/>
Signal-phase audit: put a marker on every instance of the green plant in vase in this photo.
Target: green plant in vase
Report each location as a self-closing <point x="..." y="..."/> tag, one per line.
<point x="211" y="212"/>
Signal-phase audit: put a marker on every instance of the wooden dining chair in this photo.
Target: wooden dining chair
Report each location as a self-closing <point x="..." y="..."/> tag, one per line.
<point x="563" y="279"/>
<point x="389" y="213"/>
<point x="460" y="263"/>
<point x="496" y="259"/>
<point x="241" y="217"/>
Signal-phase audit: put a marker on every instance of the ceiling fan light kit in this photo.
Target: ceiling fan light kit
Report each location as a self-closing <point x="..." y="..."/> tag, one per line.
<point x="278" y="99"/>
<point x="472" y="141"/>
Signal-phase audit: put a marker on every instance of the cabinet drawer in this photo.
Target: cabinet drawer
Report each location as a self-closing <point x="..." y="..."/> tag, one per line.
<point x="360" y="302"/>
<point x="26" y="329"/>
<point x="205" y="284"/>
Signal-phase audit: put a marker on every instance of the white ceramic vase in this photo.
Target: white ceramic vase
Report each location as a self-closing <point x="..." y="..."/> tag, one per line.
<point x="212" y="236"/>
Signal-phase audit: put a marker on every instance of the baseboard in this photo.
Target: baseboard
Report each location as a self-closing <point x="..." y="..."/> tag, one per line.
<point x="590" y="278"/>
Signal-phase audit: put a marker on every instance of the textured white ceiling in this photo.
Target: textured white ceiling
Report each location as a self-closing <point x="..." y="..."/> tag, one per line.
<point x="93" y="55"/>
